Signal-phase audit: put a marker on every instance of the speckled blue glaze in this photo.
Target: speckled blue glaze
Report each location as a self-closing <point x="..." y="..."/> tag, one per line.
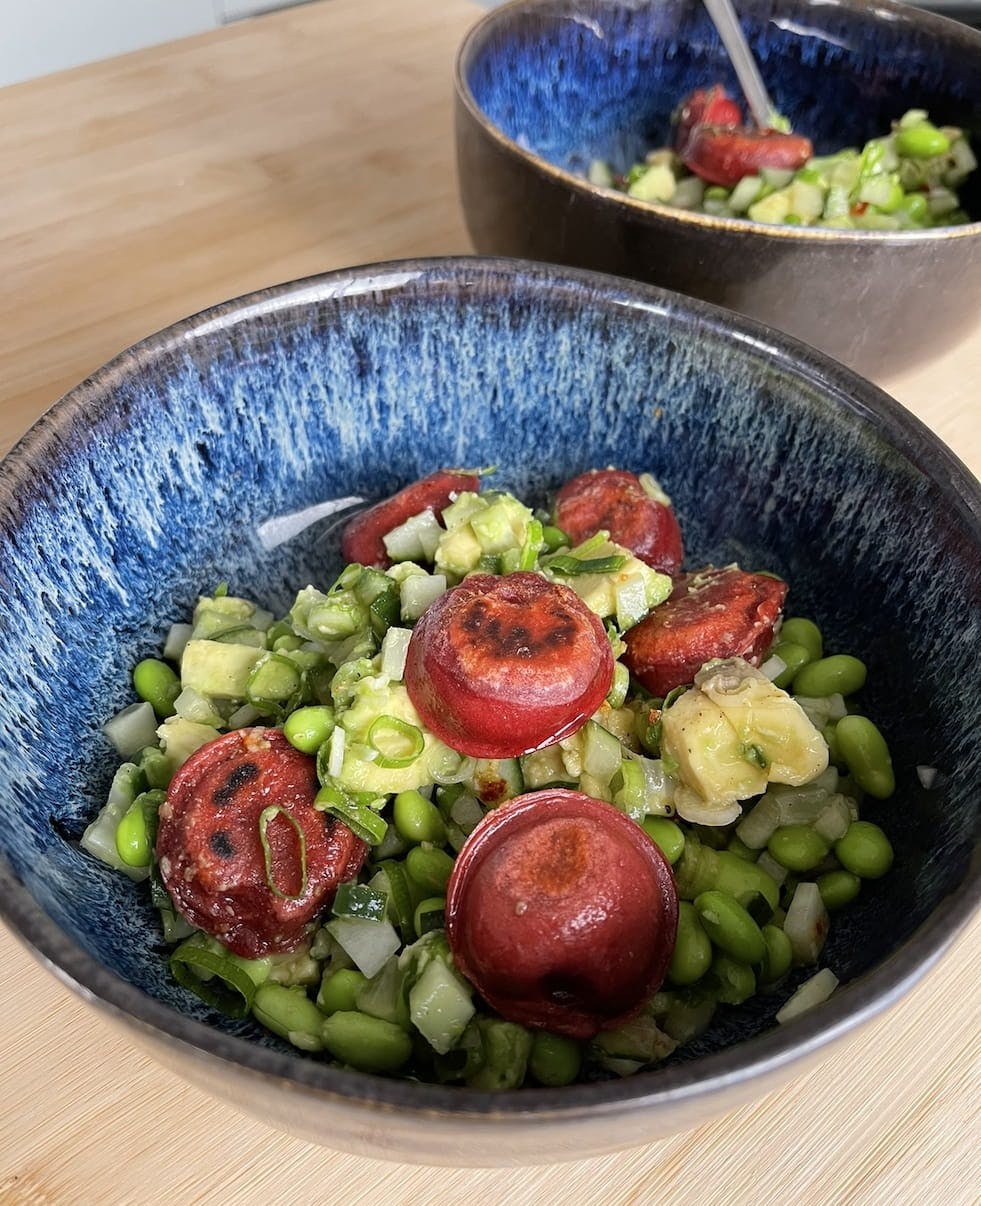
<point x="145" y="486"/>
<point x="589" y="80"/>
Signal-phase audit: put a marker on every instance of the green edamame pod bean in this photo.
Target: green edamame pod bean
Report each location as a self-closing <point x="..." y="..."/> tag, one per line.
<point x="922" y="141"/>
<point x="797" y="847"/>
<point x="866" y="755"/>
<point x="692" y="955"/>
<point x="666" y="835"/>
<point x="838" y="888"/>
<point x="307" y="729"/>
<point x="793" y="656"/>
<point x="156" y="682"/>
<point x="778" y="957"/>
<point x="733" y="981"/>
<point x="798" y="631"/>
<point x="729" y="926"/>
<point x="555" y="1060"/>
<point x="841" y="673"/>
<point x="429" y="869"/>
<point x="916" y="207"/>
<point x="417" y="819"/>
<point x="339" y="990"/>
<point x="366" y="1043"/>
<point x="133" y="838"/>
<point x="291" y="1014"/>
<point x="864" y="850"/>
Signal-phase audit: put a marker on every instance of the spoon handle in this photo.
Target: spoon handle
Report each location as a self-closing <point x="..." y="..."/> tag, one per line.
<point x="734" y="40"/>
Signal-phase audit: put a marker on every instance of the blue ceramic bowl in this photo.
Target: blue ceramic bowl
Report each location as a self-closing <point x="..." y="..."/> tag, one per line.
<point x="545" y="86"/>
<point x="146" y="484"/>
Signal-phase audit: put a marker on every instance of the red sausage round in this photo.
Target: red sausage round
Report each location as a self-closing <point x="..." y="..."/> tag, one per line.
<point x="562" y="912"/>
<point x="500" y="666"/>
<point x="714" y="613"/>
<point x="361" y="540"/>
<point x="613" y="500"/>
<point x="706" y="106"/>
<point x="725" y="155"/>
<point x="210" y="849"/>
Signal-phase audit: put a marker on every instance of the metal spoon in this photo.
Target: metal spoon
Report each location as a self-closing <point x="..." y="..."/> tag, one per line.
<point x="734" y="40"/>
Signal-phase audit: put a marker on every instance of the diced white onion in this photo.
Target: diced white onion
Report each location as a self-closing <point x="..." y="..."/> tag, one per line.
<point x="766" y="862"/>
<point x="833" y="820"/>
<point x="653" y="489"/>
<point x="812" y="992"/>
<point x="132" y="729"/>
<point x="467" y="812"/>
<point x="773" y="667"/>
<point x="261" y="619"/>
<point x="699" y="812"/>
<point x="192" y="705"/>
<point x="418" y="591"/>
<point x="177" y="638"/>
<point x="335" y="755"/>
<point x="395" y="646"/>
<point x="927" y="776"/>
<point x="760" y="823"/>
<point x="242" y="717"/>
<point x="806" y="924"/>
<point x="368" y="943"/>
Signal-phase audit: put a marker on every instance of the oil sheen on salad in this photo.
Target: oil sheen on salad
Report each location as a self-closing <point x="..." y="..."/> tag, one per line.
<point x="905" y="179"/>
<point x="520" y="798"/>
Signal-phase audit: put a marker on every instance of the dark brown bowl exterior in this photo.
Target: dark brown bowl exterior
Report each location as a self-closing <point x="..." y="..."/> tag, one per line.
<point x="878" y="302"/>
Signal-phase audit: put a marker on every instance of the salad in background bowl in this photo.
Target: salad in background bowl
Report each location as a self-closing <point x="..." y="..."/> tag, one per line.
<point x="145" y="490"/>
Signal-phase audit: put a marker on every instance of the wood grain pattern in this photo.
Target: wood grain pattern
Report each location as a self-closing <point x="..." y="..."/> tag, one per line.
<point x="142" y="189"/>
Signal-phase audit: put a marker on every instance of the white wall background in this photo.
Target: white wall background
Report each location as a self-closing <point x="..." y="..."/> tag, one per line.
<point x="38" y="36"/>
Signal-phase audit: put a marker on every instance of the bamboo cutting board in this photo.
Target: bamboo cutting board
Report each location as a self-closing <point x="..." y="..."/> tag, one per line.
<point x="147" y="187"/>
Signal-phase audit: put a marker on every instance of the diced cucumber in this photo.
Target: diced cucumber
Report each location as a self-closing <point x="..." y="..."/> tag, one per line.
<point x="180" y="738"/>
<point x="99" y="838"/>
<point x="544" y="768"/>
<point x="656" y="184"/>
<point x="383" y="996"/>
<point x="745" y="193"/>
<point x="496" y="780"/>
<point x="440" y="1006"/>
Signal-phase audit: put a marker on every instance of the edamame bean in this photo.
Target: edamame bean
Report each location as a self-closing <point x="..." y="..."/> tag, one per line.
<point x="417" y="819"/>
<point x="429" y="869"/>
<point x="797" y="847"/>
<point x="864" y="850"/>
<point x="793" y="656"/>
<point x="156" y="682"/>
<point x="366" y="1043"/>
<point x="798" y="631"/>
<point x="291" y="1014"/>
<point x="729" y="926"/>
<point x="866" y="755"/>
<point x="307" y="729"/>
<point x="838" y="888"/>
<point x="339" y="990"/>
<point x="922" y="141"/>
<point x="841" y="673"/>
<point x="915" y="206"/>
<point x="555" y="1060"/>
<point x="778" y="957"/>
<point x="692" y="955"/>
<point x="734" y="982"/>
<point x="132" y="838"/>
<point x="666" y="835"/>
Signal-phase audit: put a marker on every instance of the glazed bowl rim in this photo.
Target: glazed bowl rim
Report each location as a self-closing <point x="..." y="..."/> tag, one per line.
<point x="681" y="1084"/>
<point x="652" y="212"/>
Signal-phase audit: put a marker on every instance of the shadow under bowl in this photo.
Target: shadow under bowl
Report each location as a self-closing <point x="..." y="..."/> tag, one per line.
<point x="146" y="484"/>
<point x="545" y="86"/>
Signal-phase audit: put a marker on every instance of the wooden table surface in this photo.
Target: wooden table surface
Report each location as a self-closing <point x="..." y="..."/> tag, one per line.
<point x="144" y="188"/>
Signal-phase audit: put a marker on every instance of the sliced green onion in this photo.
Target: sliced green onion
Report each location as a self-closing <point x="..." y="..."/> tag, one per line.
<point x="228" y="987"/>
<point x="360" y="900"/>
<point x="396" y="742"/>
<point x="568" y="566"/>
<point x="265" y="818"/>
<point x="363" y="821"/>
<point x="533" y="544"/>
<point x="630" y="789"/>
<point x="399" y="894"/>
